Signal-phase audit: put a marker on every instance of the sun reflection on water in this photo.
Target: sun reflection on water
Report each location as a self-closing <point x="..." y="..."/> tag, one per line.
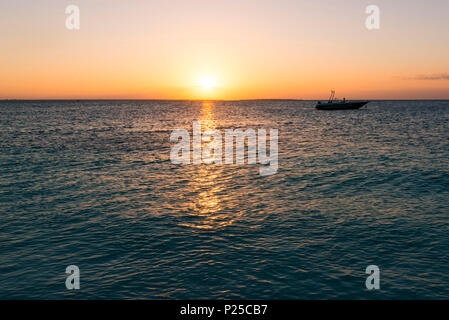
<point x="210" y="197"/>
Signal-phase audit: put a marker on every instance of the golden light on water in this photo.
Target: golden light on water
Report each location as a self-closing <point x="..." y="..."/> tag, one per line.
<point x="210" y="198"/>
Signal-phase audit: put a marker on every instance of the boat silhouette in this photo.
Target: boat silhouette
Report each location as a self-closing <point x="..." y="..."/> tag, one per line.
<point x="333" y="104"/>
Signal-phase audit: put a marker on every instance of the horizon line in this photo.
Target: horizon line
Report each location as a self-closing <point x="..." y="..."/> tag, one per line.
<point x="198" y="100"/>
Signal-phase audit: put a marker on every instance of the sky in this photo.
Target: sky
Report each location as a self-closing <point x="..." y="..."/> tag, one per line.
<point x="246" y="49"/>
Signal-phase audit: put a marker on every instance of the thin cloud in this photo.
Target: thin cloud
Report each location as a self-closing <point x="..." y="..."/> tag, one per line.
<point x="442" y="76"/>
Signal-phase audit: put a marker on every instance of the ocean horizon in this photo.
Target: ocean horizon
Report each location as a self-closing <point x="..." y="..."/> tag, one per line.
<point x="206" y="100"/>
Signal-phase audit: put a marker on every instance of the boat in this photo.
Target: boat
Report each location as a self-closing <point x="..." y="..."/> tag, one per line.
<point x="333" y="104"/>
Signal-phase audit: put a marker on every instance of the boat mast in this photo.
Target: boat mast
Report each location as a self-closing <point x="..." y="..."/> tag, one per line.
<point x="331" y="98"/>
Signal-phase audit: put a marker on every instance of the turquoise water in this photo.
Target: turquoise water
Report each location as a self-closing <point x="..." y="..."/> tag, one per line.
<point x="90" y="183"/>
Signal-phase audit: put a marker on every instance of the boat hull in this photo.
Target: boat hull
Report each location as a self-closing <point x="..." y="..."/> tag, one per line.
<point x="341" y="105"/>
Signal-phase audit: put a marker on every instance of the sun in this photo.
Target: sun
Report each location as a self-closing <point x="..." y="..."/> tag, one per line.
<point x="207" y="82"/>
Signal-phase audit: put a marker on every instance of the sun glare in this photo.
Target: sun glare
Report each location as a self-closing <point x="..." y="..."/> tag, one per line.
<point x="207" y="83"/>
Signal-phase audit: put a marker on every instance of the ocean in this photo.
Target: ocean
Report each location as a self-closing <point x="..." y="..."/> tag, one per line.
<point x="91" y="184"/>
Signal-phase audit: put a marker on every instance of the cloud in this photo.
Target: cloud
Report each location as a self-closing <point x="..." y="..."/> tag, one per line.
<point x="441" y="76"/>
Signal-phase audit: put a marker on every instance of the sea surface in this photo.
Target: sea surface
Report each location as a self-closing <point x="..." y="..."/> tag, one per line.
<point x="91" y="184"/>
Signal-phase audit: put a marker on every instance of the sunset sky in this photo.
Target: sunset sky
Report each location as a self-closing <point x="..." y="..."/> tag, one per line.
<point x="164" y="49"/>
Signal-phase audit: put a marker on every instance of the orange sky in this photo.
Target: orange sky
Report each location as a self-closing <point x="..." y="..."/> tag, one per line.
<point x="248" y="49"/>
